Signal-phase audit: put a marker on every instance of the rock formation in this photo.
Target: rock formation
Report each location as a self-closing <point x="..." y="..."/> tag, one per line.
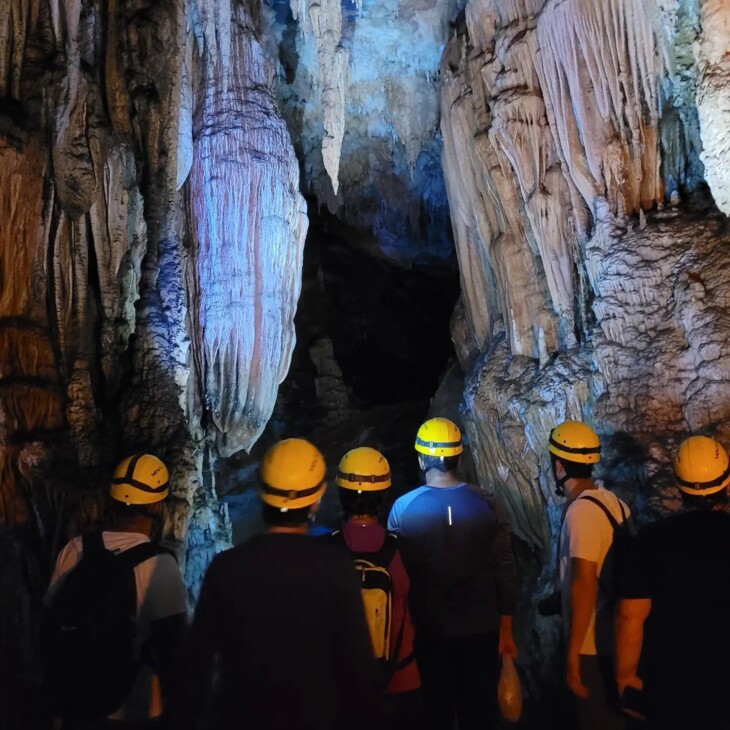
<point x="590" y="290"/>
<point x="150" y="261"/>
<point x="358" y="86"/>
<point x="150" y="265"/>
<point x="713" y="98"/>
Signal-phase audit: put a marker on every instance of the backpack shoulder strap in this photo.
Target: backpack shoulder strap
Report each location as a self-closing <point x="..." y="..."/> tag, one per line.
<point x="139" y="553"/>
<point x="606" y="511"/>
<point x="92" y="544"/>
<point x="387" y="552"/>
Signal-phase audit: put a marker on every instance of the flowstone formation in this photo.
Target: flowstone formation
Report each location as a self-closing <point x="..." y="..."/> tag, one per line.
<point x="150" y="266"/>
<point x="594" y="264"/>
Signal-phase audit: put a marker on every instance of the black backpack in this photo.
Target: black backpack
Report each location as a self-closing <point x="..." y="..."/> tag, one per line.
<point x="89" y="630"/>
<point x="624" y="534"/>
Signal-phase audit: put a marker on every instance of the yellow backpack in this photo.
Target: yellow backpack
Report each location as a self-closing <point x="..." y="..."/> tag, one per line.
<point x="376" y="588"/>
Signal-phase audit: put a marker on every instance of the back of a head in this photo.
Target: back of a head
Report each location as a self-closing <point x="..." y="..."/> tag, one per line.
<point x="577" y="446"/>
<point x="363" y="477"/>
<point x="439" y="443"/>
<point x="702" y="472"/>
<point x="292" y="480"/>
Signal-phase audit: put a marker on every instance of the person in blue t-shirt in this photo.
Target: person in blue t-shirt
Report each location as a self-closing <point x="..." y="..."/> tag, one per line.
<point x="458" y="553"/>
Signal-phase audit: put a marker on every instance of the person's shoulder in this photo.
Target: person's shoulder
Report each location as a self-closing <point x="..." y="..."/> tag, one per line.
<point x="583" y="511"/>
<point x="405" y="500"/>
<point x="485" y="495"/>
<point x="75" y="544"/>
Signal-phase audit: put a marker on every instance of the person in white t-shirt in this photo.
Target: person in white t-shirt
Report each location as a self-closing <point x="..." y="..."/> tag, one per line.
<point x="139" y="485"/>
<point x="585" y="540"/>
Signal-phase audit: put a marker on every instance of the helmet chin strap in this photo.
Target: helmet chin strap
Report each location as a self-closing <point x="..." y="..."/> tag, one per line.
<point x="559" y="481"/>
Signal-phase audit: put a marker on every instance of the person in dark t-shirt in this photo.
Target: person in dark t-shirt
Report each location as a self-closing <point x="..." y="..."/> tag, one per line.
<point x="675" y="599"/>
<point x="279" y="640"/>
<point x="458" y="554"/>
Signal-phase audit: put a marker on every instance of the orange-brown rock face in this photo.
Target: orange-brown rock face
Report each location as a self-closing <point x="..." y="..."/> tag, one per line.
<point x="150" y="263"/>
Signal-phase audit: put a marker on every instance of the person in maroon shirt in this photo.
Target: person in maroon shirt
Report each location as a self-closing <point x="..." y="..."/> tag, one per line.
<point x="363" y="477"/>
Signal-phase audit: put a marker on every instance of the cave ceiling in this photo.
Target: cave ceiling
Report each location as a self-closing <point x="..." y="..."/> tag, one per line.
<point x="358" y="86"/>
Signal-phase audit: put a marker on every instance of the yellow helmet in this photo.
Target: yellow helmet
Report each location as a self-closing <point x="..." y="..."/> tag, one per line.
<point x="363" y="470"/>
<point x="702" y="466"/>
<point x="575" y="441"/>
<point x="439" y="437"/>
<point x="292" y="473"/>
<point x="140" y="479"/>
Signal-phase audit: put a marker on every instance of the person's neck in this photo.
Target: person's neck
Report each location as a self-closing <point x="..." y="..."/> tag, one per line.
<point x="575" y="487"/>
<point x="143" y="524"/>
<point x="361" y="520"/>
<point x="294" y="530"/>
<point x="436" y="478"/>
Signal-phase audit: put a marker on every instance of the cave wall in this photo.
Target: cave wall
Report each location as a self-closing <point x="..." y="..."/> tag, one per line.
<point x="357" y="82"/>
<point x="579" y="139"/>
<point x="150" y="266"/>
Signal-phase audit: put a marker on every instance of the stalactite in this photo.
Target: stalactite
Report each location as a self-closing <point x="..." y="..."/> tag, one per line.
<point x="500" y="134"/>
<point x="102" y="339"/>
<point x="324" y="21"/>
<point x="75" y="149"/>
<point x="600" y="65"/>
<point x="119" y="238"/>
<point x="248" y="227"/>
<point x="370" y="119"/>
<point x="185" y="131"/>
<point x="216" y="17"/>
<point x="117" y="98"/>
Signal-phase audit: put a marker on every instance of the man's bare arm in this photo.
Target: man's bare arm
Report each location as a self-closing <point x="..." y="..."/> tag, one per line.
<point x="630" y="617"/>
<point x="583" y="595"/>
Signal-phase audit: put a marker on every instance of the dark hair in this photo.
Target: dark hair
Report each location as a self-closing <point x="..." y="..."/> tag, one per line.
<point x="274" y="517"/>
<point x="697" y="501"/>
<point x="121" y="511"/>
<point x="440" y="463"/>
<point x="573" y="469"/>
<point x="365" y="503"/>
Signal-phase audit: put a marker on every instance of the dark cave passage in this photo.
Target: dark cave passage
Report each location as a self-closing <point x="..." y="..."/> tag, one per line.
<point x="373" y="343"/>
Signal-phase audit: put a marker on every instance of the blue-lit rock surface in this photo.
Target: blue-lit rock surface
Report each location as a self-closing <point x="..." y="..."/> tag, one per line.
<point x="358" y="86"/>
<point x="248" y="223"/>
